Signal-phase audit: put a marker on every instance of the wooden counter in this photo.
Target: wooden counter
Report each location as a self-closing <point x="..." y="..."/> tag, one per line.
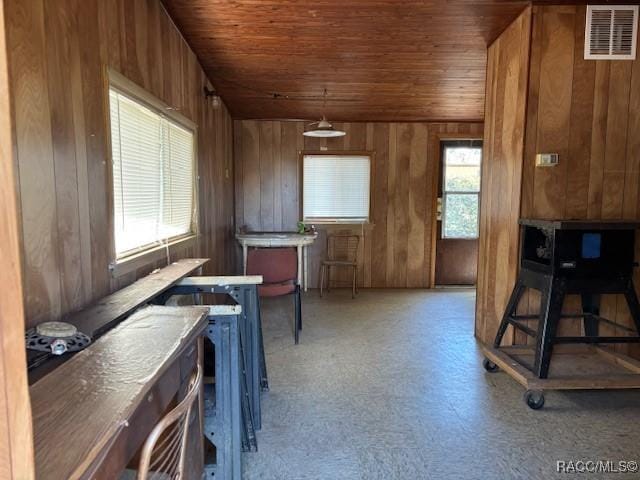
<point x="97" y="319"/>
<point x="88" y="414"/>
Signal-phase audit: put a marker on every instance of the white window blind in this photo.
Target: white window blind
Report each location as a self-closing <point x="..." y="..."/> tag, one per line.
<point x="336" y="188"/>
<point x="153" y="178"/>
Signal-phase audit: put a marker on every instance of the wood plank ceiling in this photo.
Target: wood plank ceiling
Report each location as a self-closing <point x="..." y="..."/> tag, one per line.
<point x="384" y="60"/>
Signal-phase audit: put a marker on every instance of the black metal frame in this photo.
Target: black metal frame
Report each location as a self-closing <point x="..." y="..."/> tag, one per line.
<point x="554" y="285"/>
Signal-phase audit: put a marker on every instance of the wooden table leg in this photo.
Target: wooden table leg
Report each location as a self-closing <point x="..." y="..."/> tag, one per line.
<point x="306" y="267"/>
<point x="299" y="264"/>
<point x="244" y="258"/>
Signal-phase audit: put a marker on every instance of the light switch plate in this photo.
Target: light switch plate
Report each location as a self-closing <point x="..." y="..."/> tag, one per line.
<point x="547" y="159"/>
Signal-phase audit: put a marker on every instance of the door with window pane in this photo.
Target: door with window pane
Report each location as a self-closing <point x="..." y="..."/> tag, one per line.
<point x="458" y="220"/>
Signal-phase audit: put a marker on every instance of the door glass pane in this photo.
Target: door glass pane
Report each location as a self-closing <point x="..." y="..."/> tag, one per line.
<point x="461" y="215"/>
<point x="462" y="169"/>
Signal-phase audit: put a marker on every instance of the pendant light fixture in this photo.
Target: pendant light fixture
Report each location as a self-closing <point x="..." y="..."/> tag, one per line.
<point x="323" y="128"/>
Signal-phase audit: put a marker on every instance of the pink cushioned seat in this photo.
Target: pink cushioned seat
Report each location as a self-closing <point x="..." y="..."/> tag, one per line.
<point x="279" y="270"/>
<point x="276" y="289"/>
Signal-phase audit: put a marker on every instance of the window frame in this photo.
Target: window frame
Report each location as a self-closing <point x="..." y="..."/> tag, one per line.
<point x="343" y="153"/>
<point x="458" y="143"/>
<point x="127" y="262"/>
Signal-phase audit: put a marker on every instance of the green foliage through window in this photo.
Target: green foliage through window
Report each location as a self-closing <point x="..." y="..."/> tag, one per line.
<point x="461" y="192"/>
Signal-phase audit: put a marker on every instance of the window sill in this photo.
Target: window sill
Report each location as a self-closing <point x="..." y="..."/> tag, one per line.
<point x="366" y="226"/>
<point x="131" y="263"/>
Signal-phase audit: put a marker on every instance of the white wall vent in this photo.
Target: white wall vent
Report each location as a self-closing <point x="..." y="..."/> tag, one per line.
<point x="611" y="32"/>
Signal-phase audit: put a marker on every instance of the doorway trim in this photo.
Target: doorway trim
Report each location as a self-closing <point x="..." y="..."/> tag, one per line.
<point x="435" y="139"/>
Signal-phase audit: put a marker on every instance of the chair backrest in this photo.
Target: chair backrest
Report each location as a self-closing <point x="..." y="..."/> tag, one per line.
<point x="276" y="265"/>
<point x="163" y="453"/>
<point x="343" y="247"/>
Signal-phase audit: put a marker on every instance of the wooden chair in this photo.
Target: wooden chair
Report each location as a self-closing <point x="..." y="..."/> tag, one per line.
<point x="279" y="270"/>
<point x="342" y="252"/>
<point x="163" y="453"/>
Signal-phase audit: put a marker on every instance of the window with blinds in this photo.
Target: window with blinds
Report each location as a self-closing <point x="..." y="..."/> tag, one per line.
<point x="336" y="188"/>
<point x="153" y="175"/>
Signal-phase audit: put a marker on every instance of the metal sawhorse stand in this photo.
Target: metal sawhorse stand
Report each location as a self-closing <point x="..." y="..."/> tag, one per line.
<point x="252" y="374"/>
<point x="222" y="407"/>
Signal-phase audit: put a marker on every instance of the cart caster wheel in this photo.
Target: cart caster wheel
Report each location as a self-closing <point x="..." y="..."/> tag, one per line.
<point x="489" y="366"/>
<point x="534" y="399"/>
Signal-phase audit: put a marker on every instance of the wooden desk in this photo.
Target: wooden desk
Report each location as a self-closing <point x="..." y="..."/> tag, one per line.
<point x="279" y="239"/>
<point x="93" y="412"/>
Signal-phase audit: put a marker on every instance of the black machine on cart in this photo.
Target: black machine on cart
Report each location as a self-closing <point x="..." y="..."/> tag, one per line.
<point x="562" y="257"/>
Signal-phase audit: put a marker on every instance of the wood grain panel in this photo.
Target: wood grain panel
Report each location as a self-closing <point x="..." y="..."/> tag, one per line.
<point x="34" y="150"/>
<point x="58" y="53"/>
<point x="16" y="439"/>
<point x="508" y="59"/>
<point x="396" y="246"/>
<point x="587" y="111"/>
<point x="554" y="104"/>
<point x="436" y="52"/>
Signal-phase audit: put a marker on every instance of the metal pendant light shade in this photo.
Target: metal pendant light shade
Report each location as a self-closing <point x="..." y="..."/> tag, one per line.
<point x="324" y="130"/>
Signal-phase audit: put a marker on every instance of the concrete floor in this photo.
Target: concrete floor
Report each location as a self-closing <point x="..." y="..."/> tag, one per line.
<point x="390" y="386"/>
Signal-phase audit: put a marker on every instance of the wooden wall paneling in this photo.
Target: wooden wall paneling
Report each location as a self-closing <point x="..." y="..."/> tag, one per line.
<point x="554" y="105"/>
<point x="366" y="279"/>
<point x="238" y="173"/>
<point x="251" y="175"/>
<point x="433" y="168"/>
<point x="277" y="176"/>
<point x="632" y="198"/>
<point x="598" y="139"/>
<point x="419" y="199"/>
<point x="595" y="102"/>
<point x="404" y="138"/>
<point x="380" y="144"/>
<point x="491" y="196"/>
<point x="518" y="151"/>
<point x="482" y="284"/>
<point x="560" y="192"/>
<point x="229" y="245"/>
<point x="154" y="52"/>
<point x="502" y="174"/>
<point x="392" y="174"/>
<point x="100" y="218"/>
<point x="396" y="249"/>
<point x="579" y="125"/>
<point x="314" y="143"/>
<point x="205" y="174"/>
<point x="632" y="172"/>
<point x="27" y="53"/>
<point x="356" y="140"/>
<point x="16" y="439"/>
<point x="530" y="302"/>
<point x="268" y="179"/>
<point x="215" y="183"/>
<point x="616" y="140"/>
<point x="80" y="152"/>
<point x="614" y="306"/>
<point x="496" y="191"/>
<point x="58" y="53"/>
<point x="291" y="143"/>
<point x="58" y="23"/>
